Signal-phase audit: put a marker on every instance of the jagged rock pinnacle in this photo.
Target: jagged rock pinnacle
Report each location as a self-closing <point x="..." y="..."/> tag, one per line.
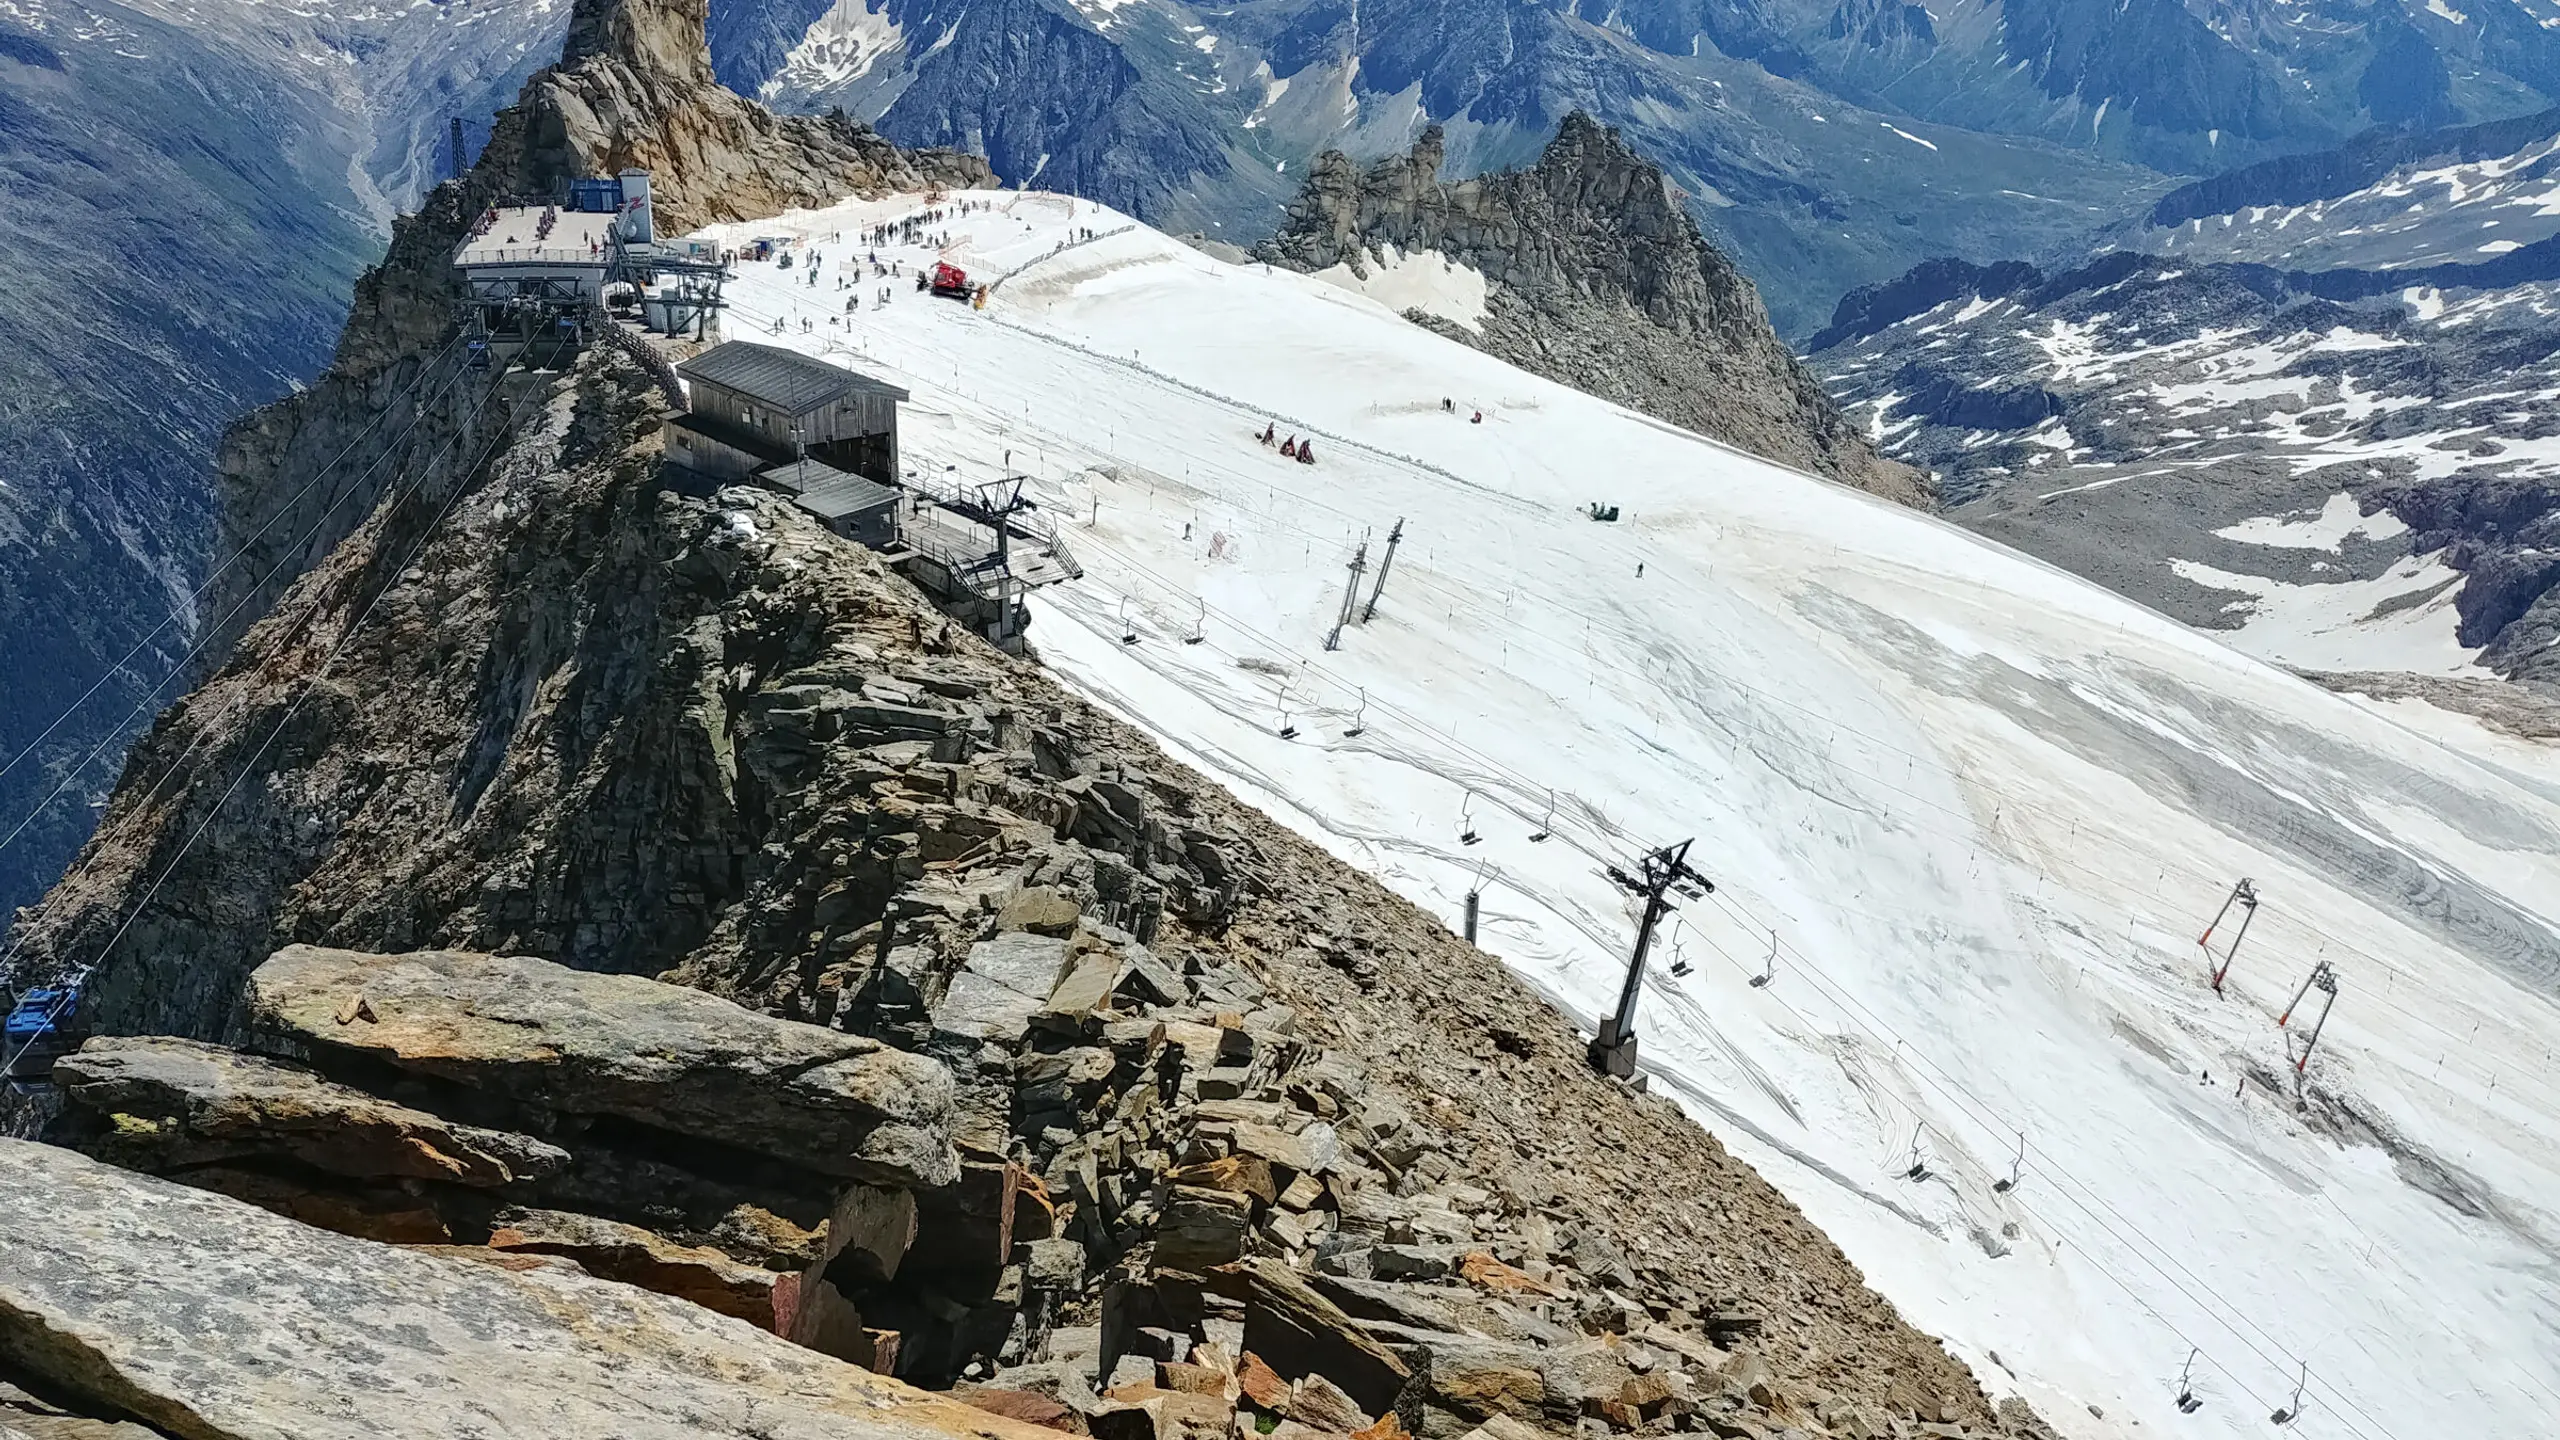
<point x="1596" y="278"/>
<point x="633" y="89"/>
<point x="664" y="37"/>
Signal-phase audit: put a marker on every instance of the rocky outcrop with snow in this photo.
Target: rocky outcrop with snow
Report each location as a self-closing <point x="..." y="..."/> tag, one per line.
<point x="1593" y="276"/>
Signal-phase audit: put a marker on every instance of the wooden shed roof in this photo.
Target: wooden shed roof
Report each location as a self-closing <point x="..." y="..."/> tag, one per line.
<point x="790" y="382"/>
<point x="826" y="492"/>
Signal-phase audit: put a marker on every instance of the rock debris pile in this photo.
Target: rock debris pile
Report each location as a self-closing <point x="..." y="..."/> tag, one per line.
<point x="1169" y="1211"/>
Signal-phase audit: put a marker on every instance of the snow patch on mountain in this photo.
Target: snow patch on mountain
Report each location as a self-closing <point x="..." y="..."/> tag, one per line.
<point x="1425" y="280"/>
<point x="2403" y="619"/>
<point x="2339" y="518"/>
<point x="843" y="46"/>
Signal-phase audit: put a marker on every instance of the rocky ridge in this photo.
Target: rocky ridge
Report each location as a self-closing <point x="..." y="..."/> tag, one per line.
<point x="640" y="734"/>
<point x="633" y="88"/>
<point x="1595" y="277"/>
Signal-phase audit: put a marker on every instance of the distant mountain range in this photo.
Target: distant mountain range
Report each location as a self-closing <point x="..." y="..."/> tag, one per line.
<point x="1825" y="143"/>
<point x="2312" y="401"/>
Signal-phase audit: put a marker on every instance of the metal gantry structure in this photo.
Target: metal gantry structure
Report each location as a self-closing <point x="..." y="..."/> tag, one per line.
<point x="1656" y="877"/>
<point x="2323" y="978"/>
<point x="2245" y="895"/>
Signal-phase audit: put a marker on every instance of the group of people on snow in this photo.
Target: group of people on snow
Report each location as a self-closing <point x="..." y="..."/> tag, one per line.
<point x="1293" y="448"/>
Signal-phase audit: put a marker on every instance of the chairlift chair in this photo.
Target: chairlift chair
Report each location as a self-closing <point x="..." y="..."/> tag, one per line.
<point x="2291" y="1410"/>
<point x="2188" y="1404"/>
<point x="2017" y="1167"/>
<point x="1466" y="821"/>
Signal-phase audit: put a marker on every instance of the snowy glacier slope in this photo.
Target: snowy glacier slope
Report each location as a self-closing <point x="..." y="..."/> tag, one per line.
<point x="1969" y="812"/>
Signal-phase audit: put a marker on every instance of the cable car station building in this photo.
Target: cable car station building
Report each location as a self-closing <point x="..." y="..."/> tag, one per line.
<point x="541" y="272"/>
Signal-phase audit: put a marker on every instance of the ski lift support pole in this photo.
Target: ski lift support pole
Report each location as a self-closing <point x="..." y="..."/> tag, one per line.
<point x="1350" y="597"/>
<point x="2247" y="895"/>
<point x="1613" y="1050"/>
<point x="2327" y="980"/>
<point x="1379" y="586"/>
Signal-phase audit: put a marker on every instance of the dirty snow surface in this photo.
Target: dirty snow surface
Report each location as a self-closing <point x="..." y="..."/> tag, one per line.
<point x="1968" y="812"/>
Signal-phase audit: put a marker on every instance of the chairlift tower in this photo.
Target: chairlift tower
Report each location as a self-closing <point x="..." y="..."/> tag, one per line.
<point x="2324" y="978"/>
<point x="1613" y="1050"/>
<point x="2245" y="895"/>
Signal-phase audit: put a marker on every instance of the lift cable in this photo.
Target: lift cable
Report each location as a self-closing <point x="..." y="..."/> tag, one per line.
<point x="353" y="628"/>
<point x="233" y="558"/>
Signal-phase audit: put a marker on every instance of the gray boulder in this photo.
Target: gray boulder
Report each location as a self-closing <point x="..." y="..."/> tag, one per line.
<point x="1004" y="982"/>
<point x="203" y="1316"/>
<point x="664" y="1056"/>
<point x="167" y="1104"/>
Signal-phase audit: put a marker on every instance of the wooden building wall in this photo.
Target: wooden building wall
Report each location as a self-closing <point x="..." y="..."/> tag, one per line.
<point x="852" y="416"/>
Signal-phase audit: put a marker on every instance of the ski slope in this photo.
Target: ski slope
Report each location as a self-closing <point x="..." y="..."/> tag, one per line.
<point x="1967" y="812"/>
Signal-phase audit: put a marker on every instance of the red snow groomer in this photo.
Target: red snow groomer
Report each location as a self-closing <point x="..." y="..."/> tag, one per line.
<point x="950" y="281"/>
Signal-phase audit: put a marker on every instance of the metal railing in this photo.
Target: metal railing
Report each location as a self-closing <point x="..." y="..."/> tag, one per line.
<point x="534" y="255"/>
<point x="660" y="368"/>
<point x="1042" y="532"/>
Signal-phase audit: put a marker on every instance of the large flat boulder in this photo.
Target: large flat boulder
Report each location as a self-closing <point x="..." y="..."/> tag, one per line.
<point x="206" y="1317"/>
<point x="663" y="1056"/>
<point x="1003" y="983"/>
<point x="168" y="1104"/>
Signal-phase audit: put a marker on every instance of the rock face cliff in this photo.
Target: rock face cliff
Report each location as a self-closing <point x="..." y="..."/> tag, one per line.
<point x="1596" y="278"/>
<point x="633" y="89"/>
